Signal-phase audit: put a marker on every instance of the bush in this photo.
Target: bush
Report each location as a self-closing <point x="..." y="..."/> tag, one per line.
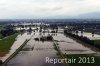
<point x="1" y="62"/>
<point x="53" y="32"/>
<point x="1" y="37"/>
<point x="84" y="39"/>
<point x="7" y="32"/>
<point x="43" y="38"/>
<point x="49" y="37"/>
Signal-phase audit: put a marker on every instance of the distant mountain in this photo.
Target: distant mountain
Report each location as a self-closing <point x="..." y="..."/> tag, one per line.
<point x="87" y="16"/>
<point x="92" y="15"/>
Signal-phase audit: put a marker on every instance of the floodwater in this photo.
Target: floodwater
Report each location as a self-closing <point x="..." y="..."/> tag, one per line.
<point x="20" y="39"/>
<point x="89" y="35"/>
<point x="34" y="53"/>
<point x="70" y="46"/>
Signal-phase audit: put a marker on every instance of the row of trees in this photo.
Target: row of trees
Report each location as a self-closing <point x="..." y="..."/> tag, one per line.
<point x="7" y="30"/>
<point x="82" y="38"/>
<point x="44" y="38"/>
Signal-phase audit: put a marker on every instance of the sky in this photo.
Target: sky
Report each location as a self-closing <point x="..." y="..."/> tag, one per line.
<point x="32" y="9"/>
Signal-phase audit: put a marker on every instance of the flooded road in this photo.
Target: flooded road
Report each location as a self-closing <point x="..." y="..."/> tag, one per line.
<point x="34" y="53"/>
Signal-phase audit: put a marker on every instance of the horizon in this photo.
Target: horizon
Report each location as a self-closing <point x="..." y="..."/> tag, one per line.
<point x="49" y="9"/>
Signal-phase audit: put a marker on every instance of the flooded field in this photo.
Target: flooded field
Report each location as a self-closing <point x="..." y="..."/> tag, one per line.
<point x="19" y="41"/>
<point x="89" y="35"/>
<point x="70" y="46"/>
<point x="34" y="53"/>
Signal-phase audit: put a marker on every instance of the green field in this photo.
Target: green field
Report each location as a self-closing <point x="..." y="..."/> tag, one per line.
<point x="0" y="27"/>
<point x="7" y="42"/>
<point x="97" y="41"/>
<point x="84" y="60"/>
<point x="0" y="34"/>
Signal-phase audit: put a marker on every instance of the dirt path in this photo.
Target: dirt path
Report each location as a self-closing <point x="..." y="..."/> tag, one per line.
<point x="2" y="54"/>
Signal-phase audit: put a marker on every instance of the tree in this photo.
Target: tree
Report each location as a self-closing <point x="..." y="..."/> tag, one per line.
<point x="49" y="38"/>
<point x="30" y="30"/>
<point x="82" y="33"/>
<point x="1" y="36"/>
<point x="92" y="33"/>
<point x="8" y="30"/>
<point x="76" y="32"/>
<point x="1" y="62"/>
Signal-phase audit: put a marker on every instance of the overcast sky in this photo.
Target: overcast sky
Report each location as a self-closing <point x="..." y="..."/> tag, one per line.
<point x="20" y="9"/>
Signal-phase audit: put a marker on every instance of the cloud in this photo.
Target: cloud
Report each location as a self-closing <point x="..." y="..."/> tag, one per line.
<point x="46" y="8"/>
